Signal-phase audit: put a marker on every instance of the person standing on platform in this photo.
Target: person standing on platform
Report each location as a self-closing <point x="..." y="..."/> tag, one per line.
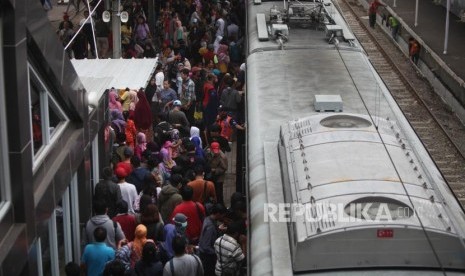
<point x="113" y="234"/>
<point x="373" y="10"/>
<point x="414" y="50"/>
<point x="108" y="191"/>
<point x="394" y="24"/>
<point x="128" y="191"/>
<point x="210" y="233"/>
<point x="219" y="165"/>
<point x="97" y="254"/>
<point x="182" y="263"/>
<point x="177" y="118"/>
<point x="204" y="190"/>
<point x="187" y="95"/>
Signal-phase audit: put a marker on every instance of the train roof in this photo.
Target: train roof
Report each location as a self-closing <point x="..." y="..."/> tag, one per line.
<point x="300" y="35"/>
<point x="330" y="161"/>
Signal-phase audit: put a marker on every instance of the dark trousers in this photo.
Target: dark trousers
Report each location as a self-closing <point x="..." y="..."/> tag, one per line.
<point x="190" y="114"/>
<point x="219" y="192"/>
<point x="372" y="19"/>
<point x="208" y="262"/>
<point x="395" y="31"/>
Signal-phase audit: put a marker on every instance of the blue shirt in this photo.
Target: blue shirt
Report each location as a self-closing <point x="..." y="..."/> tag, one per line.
<point x="166" y="96"/>
<point x="95" y="256"/>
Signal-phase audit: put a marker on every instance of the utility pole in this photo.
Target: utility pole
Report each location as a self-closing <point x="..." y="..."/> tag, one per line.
<point x="151" y="15"/>
<point x="446" y="38"/>
<point x="116" y="28"/>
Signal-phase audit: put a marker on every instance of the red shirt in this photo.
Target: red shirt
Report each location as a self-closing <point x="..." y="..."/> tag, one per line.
<point x="194" y="223"/>
<point x="128" y="225"/>
<point x="374" y="7"/>
<point x="206" y="93"/>
<point x="210" y="55"/>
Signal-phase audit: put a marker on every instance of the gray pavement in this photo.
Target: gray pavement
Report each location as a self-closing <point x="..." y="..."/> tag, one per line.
<point x="431" y="29"/>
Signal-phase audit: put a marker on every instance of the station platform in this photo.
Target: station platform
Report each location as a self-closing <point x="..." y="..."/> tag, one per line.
<point x="55" y="15"/>
<point x="431" y="28"/>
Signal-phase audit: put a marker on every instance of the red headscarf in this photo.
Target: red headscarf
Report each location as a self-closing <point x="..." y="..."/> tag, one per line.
<point x="142" y="113"/>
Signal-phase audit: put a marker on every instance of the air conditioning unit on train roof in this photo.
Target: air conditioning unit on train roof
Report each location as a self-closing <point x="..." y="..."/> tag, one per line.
<point x="281" y="29"/>
<point x="333" y="30"/>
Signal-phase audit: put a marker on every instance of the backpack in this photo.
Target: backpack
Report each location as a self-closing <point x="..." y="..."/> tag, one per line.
<point x="226" y="129"/>
<point x="207" y="201"/>
<point x="115" y="158"/>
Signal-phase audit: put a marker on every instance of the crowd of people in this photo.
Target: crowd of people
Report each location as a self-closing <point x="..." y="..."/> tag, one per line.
<point x="185" y="27"/>
<point x="160" y="209"/>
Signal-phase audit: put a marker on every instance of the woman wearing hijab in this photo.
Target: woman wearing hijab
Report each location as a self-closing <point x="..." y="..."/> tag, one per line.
<point x="141" y="145"/>
<point x="167" y="164"/>
<point x="117" y="121"/>
<point x="130" y="130"/>
<point x="130" y="253"/>
<point x="124" y="98"/>
<point x="133" y="100"/>
<point x="175" y="144"/>
<point x="195" y="132"/>
<point x="113" y="102"/>
<point x="143" y="115"/>
<point x="199" y="153"/>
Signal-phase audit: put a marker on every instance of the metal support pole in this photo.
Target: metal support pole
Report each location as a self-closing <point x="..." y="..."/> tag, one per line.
<point x="151" y="16"/>
<point x="116" y="28"/>
<point x="395" y="6"/>
<point x="446" y="38"/>
<point x="416" y="13"/>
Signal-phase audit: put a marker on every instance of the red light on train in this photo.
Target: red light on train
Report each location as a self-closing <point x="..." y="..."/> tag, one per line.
<point x="385" y="233"/>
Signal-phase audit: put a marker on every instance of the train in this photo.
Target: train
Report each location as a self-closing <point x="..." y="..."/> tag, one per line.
<point x="338" y="182"/>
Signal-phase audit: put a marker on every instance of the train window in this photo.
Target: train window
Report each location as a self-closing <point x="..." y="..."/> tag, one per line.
<point x="345" y="121"/>
<point x="378" y="208"/>
<point x="47" y="118"/>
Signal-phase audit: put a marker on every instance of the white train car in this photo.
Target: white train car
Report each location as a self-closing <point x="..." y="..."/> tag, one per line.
<point x="338" y="181"/>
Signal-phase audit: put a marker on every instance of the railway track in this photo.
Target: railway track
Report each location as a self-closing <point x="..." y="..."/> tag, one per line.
<point x="438" y="128"/>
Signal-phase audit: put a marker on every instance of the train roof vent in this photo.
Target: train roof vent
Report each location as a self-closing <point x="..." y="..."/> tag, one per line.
<point x="323" y="218"/>
<point x="378" y="208"/>
<point x="345" y="121"/>
<point x="300" y="128"/>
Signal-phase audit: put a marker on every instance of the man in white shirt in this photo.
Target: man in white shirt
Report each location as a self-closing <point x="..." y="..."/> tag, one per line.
<point x="128" y="191"/>
<point x="182" y="263"/>
<point x="220" y="25"/>
<point x="159" y="77"/>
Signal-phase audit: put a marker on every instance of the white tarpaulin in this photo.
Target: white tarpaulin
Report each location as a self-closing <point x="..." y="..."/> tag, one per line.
<point x="97" y="75"/>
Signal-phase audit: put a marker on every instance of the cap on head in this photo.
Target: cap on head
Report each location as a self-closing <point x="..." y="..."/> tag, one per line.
<point x="121" y="172"/>
<point x="177" y="103"/>
<point x="128" y="152"/>
<point x="216" y="72"/>
<point x="180" y="220"/>
<point x="215" y="147"/>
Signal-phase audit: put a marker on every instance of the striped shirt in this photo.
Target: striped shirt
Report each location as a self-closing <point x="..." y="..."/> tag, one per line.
<point x="228" y="254"/>
<point x="187" y="91"/>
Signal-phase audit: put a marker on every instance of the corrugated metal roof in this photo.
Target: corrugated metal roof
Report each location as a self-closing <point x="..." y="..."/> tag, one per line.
<point x="97" y="75"/>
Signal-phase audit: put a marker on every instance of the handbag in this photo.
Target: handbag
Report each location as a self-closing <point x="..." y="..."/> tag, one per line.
<point x="198" y="113"/>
